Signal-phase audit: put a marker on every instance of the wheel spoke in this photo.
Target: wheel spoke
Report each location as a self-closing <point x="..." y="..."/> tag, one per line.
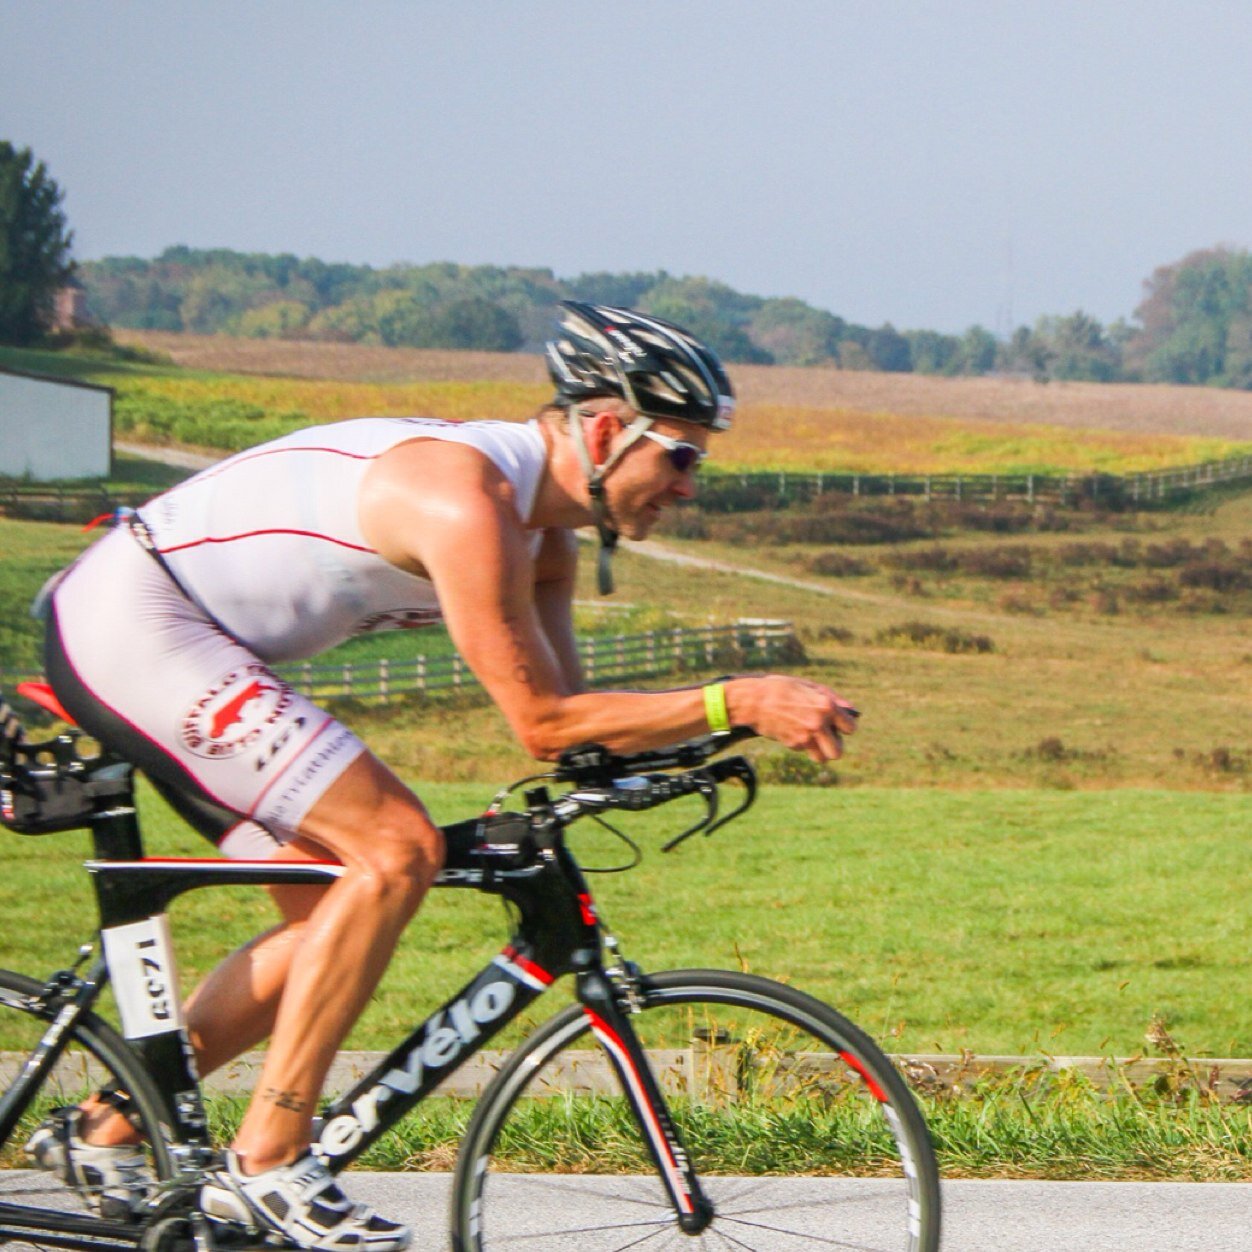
<point x="768" y="1090"/>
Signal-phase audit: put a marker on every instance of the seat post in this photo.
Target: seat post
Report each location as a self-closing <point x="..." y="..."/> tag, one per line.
<point x="114" y="823"/>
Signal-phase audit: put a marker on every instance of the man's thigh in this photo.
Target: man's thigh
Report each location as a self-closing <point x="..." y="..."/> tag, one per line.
<point x="149" y="674"/>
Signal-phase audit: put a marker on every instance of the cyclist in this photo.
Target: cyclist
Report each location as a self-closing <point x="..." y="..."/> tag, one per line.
<point x="161" y="640"/>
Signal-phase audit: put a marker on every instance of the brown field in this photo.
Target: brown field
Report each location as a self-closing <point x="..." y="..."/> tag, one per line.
<point x="1124" y="407"/>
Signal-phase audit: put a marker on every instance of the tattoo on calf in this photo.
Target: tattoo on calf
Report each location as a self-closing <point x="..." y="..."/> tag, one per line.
<point x="289" y="1100"/>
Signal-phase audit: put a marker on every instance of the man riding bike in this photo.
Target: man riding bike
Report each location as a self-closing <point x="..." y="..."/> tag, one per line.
<point x="161" y="640"/>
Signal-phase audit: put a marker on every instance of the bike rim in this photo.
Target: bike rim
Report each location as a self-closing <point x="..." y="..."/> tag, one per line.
<point x="802" y="1134"/>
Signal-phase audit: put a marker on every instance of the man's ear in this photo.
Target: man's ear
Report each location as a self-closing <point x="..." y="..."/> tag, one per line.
<point x="601" y="431"/>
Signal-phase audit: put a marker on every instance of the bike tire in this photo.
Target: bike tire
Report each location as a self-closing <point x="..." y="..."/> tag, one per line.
<point x="783" y="1104"/>
<point x="96" y="1056"/>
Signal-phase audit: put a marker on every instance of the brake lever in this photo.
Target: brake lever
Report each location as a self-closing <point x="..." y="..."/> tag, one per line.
<point x="738" y="769"/>
<point x="708" y="789"/>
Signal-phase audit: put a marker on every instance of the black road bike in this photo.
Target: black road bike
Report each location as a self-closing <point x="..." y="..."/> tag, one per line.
<point x="739" y="1112"/>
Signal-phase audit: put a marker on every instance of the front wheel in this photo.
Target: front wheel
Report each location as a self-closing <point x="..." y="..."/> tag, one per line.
<point x="801" y="1130"/>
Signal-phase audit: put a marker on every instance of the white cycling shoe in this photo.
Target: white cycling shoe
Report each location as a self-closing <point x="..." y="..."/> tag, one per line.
<point x="113" y="1181"/>
<point x="302" y="1202"/>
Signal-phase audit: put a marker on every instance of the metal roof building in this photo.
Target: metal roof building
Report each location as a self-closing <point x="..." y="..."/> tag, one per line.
<point x="54" y="427"/>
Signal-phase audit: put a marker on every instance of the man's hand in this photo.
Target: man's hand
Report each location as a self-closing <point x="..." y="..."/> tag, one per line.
<point x="796" y="712"/>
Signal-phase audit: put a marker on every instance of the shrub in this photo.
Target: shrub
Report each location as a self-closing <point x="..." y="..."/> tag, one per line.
<point x="1215" y="574"/>
<point x="841" y="634"/>
<point x="1015" y="602"/>
<point x="1082" y="554"/>
<point x="1151" y="591"/>
<point x="839" y="565"/>
<point x="791" y="769"/>
<point x="997" y="562"/>
<point x="930" y="636"/>
<point x="936" y="559"/>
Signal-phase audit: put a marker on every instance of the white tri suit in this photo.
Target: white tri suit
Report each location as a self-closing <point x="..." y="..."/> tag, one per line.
<point x="161" y="636"/>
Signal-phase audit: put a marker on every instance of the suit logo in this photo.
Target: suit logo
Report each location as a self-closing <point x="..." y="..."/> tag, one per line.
<point x="234" y="712"/>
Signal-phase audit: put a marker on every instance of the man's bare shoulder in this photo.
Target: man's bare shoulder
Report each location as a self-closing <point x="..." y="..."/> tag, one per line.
<point x="421" y="492"/>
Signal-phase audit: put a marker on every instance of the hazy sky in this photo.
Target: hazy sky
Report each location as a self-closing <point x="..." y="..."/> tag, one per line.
<point x="928" y="164"/>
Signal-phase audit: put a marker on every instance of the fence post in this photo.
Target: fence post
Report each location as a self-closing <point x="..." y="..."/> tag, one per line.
<point x="347" y="678"/>
<point x="421" y="672"/>
<point x="384" y="675"/>
<point x="591" y="660"/>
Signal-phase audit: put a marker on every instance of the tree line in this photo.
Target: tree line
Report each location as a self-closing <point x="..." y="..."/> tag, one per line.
<point x="1194" y="324"/>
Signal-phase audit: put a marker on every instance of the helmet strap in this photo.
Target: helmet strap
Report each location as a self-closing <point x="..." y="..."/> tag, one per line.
<point x="596" y="475"/>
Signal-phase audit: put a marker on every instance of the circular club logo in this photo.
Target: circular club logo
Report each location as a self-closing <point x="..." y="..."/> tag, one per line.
<point x="235" y="712"/>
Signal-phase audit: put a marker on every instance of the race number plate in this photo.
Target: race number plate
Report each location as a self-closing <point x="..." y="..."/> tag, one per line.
<point x="145" y="982"/>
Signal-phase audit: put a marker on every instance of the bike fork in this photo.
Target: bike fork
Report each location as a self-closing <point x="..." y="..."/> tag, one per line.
<point x="607" y="1009"/>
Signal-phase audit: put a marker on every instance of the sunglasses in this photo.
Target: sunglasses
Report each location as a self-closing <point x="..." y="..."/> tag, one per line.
<point x="684" y="457"/>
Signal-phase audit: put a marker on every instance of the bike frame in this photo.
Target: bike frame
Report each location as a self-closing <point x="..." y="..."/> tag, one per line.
<point x="520" y="856"/>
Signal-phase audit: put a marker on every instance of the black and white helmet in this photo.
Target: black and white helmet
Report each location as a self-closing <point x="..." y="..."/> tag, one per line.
<point x="655" y="366"/>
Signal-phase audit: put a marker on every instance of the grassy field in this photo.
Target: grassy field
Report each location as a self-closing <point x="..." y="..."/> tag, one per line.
<point x="805" y="425"/>
<point x="1032" y="846"/>
<point x="1128" y="407"/>
<point x="1022" y="922"/>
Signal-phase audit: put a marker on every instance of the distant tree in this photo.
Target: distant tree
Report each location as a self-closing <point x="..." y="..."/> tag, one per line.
<point x="932" y="352"/>
<point x="795" y="333"/>
<point x="978" y="352"/>
<point x="34" y="245"/>
<point x="623" y="290"/>
<point x="1076" y="348"/>
<point x="888" y="350"/>
<point x="474" y="323"/>
<point x="281" y="319"/>
<point x="1194" y="316"/>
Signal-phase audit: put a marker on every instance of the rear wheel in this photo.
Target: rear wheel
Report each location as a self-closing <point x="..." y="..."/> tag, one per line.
<point x="801" y="1130"/>
<point x="95" y="1058"/>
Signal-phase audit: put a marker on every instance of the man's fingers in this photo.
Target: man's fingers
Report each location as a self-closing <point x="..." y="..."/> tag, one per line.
<point x="827" y="744"/>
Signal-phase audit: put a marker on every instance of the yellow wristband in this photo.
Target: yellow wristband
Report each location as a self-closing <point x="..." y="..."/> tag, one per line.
<point x="715" y="707"/>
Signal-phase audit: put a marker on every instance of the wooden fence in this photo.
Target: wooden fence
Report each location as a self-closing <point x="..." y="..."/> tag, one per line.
<point x="742" y="492"/>
<point x="64" y="504"/>
<point x="730" y="492"/>
<point x="748" y="643"/>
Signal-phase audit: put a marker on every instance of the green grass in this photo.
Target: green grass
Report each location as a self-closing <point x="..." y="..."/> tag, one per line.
<point x="1066" y="1131"/>
<point x="1003" y="922"/>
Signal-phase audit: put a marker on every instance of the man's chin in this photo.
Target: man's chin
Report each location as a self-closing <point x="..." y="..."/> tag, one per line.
<point x="642" y="527"/>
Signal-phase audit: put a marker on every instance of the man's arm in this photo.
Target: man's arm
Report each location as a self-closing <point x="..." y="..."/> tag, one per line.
<point x="446" y="512"/>
<point x="556" y="569"/>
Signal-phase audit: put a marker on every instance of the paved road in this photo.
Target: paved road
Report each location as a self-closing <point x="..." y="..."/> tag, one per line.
<point x="979" y="1216"/>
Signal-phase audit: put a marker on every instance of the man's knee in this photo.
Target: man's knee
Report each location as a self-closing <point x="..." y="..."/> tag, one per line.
<point x="403" y="851"/>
